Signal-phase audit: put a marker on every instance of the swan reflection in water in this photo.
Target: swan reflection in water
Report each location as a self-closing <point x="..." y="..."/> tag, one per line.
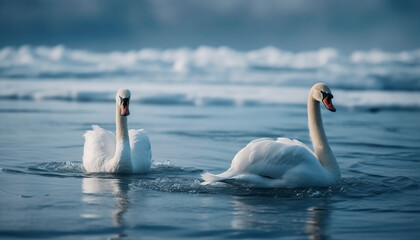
<point x="308" y="216"/>
<point x="96" y="191"/>
<point x="317" y="222"/>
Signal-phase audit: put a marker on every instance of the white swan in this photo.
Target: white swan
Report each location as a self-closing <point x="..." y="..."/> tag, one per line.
<point x="127" y="151"/>
<point x="286" y="163"/>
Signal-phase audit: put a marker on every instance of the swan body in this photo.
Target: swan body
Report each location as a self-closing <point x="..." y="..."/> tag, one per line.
<point x="286" y="163"/>
<point x="127" y="151"/>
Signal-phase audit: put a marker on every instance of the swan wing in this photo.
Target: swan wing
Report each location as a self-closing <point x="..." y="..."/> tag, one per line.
<point x="266" y="157"/>
<point x="98" y="149"/>
<point x="141" y="151"/>
<point x="295" y="142"/>
<point x="268" y="163"/>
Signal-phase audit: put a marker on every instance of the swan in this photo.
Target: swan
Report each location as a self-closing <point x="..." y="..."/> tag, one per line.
<point x="287" y="163"/>
<point x="127" y="151"/>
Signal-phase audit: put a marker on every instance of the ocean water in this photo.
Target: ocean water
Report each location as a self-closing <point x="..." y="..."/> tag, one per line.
<point x="201" y="106"/>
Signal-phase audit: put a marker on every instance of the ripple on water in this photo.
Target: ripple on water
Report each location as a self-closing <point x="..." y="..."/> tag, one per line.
<point x="60" y="167"/>
<point x="166" y="177"/>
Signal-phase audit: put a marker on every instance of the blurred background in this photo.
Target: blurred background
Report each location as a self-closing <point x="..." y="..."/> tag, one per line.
<point x="372" y="45"/>
<point x="294" y="25"/>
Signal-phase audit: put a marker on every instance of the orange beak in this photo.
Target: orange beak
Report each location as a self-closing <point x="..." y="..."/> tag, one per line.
<point x="328" y="103"/>
<point x="124" y="107"/>
<point x="125" y="111"/>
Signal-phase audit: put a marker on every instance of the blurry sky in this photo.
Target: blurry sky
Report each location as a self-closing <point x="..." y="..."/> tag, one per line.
<point x="104" y="25"/>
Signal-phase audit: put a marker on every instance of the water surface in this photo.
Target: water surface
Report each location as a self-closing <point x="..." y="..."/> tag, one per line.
<point x="45" y="192"/>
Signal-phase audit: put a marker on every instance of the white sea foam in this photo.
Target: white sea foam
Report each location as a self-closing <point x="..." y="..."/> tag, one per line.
<point x="372" y="70"/>
<point x="376" y="56"/>
<point x="200" y="94"/>
<point x="212" y="76"/>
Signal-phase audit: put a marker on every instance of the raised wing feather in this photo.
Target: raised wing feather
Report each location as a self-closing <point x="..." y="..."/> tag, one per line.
<point x="99" y="147"/>
<point x="141" y="152"/>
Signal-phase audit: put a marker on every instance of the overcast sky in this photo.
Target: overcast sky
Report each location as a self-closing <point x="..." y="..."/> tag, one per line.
<point x="296" y="25"/>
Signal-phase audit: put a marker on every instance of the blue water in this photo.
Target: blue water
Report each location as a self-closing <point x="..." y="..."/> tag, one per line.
<point x="200" y="106"/>
<point x="45" y="193"/>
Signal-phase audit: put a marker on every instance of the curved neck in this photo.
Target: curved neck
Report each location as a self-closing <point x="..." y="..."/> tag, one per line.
<point x="319" y="139"/>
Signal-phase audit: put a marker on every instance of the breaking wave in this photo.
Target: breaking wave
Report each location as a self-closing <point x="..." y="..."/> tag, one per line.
<point x="212" y="76"/>
<point x="374" y="69"/>
<point x="202" y="94"/>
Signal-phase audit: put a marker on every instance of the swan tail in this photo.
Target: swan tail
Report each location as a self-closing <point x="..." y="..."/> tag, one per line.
<point x="212" y="178"/>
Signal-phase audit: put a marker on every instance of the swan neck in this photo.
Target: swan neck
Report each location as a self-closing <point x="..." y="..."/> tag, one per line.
<point x="121" y="161"/>
<point x="121" y="125"/>
<point x="316" y="127"/>
<point x="319" y="139"/>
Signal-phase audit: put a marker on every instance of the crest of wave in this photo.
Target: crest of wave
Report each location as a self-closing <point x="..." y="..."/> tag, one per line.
<point x="374" y="69"/>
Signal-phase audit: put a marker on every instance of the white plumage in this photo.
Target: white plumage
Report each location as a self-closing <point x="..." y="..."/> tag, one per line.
<point x="286" y="163"/>
<point x="128" y="151"/>
<point x="100" y="147"/>
<point x="269" y="163"/>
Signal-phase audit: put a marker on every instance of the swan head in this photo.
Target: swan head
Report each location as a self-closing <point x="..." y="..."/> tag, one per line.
<point x="322" y="93"/>
<point x="123" y="100"/>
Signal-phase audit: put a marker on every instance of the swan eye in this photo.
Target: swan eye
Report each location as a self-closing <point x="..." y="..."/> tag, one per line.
<point x="325" y="95"/>
<point x="124" y="101"/>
